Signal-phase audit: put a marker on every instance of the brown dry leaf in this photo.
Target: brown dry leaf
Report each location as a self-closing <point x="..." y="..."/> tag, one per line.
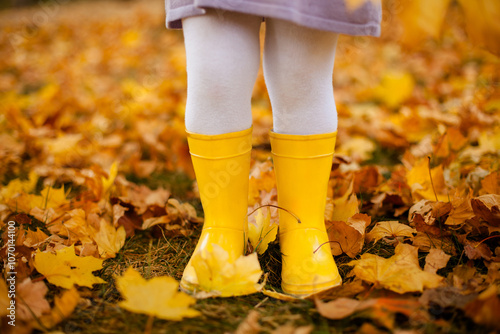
<point x="446" y="297"/>
<point x="348" y="237"/>
<point x="485" y="310"/>
<point x="342" y="307"/>
<point x="476" y="250"/>
<point x="384" y="312"/>
<point x="390" y="229"/>
<point x="400" y="273"/>
<point x="435" y="260"/>
<point x="250" y="325"/>
<point x="367" y="179"/>
<point x="31" y="300"/>
<point x="488" y="208"/>
<point x="381" y="310"/>
<point x="466" y="279"/>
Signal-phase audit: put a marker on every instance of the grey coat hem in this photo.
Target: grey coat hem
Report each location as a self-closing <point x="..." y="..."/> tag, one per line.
<point x="370" y="28"/>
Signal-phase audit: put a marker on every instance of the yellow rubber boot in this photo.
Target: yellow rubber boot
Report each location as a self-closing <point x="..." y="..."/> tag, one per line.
<point x="222" y="167"/>
<point x="302" y="165"/>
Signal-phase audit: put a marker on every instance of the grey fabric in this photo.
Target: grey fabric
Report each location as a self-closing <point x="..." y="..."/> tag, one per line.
<point x="329" y="15"/>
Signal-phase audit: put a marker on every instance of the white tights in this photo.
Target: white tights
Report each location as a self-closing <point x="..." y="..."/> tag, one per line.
<point x="223" y="56"/>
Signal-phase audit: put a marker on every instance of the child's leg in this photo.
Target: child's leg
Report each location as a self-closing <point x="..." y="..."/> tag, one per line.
<point x="222" y="50"/>
<point x="298" y="67"/>
<point x="223" y="55"/>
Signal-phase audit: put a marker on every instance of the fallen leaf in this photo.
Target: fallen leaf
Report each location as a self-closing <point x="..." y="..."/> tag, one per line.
<point x="262" y="232"/>
<point x="342" y="307"/>
<point x="31" y="299"/>
<point x="278" y="295"/>
<point x="348" y="237"/>
<point x="446" y="297"/>
<point x="64" y="305"/>
<point x="109" y="239"/>
<point x="218" y="277"/>
<point x="390" y="229"/>
<point x="400" y="273"/>
<point x="158" y="296"/>
<point x="65" y="268"/>
<point x="488" y="208"/>
<point x="435" y="260"/>
<point x="491" y="184"/>
<point x="250" y="325"/>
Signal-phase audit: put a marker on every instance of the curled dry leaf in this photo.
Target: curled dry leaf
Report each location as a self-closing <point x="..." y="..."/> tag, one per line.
<point x="158" y="296"/>
<point x="390" y="229"/>
<point x="488" y="208"/>
<point x="348" y="237"/>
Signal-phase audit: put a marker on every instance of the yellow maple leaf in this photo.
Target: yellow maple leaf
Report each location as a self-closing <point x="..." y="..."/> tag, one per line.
<point x="262" y="232"/>
<point x="18" y="186"/>
<point x="344" y="207"/>
<point x="109" y="239"/>
<point x="422" y="186"/>
<point x="65" y="269"/>
<point x="400" y="273"/>
<point x="218" y="277"/>
<point x="391" y="229"/>
<point x="158" y="296"/>
<point x="49" y="198"/>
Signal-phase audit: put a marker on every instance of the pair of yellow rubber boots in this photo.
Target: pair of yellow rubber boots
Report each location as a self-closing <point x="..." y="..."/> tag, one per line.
<point x="302" y="165"/>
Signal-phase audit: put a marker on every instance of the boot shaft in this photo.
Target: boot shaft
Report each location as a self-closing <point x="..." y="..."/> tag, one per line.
<point x="302" y="165"/>
<point x="222" y="168"/>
